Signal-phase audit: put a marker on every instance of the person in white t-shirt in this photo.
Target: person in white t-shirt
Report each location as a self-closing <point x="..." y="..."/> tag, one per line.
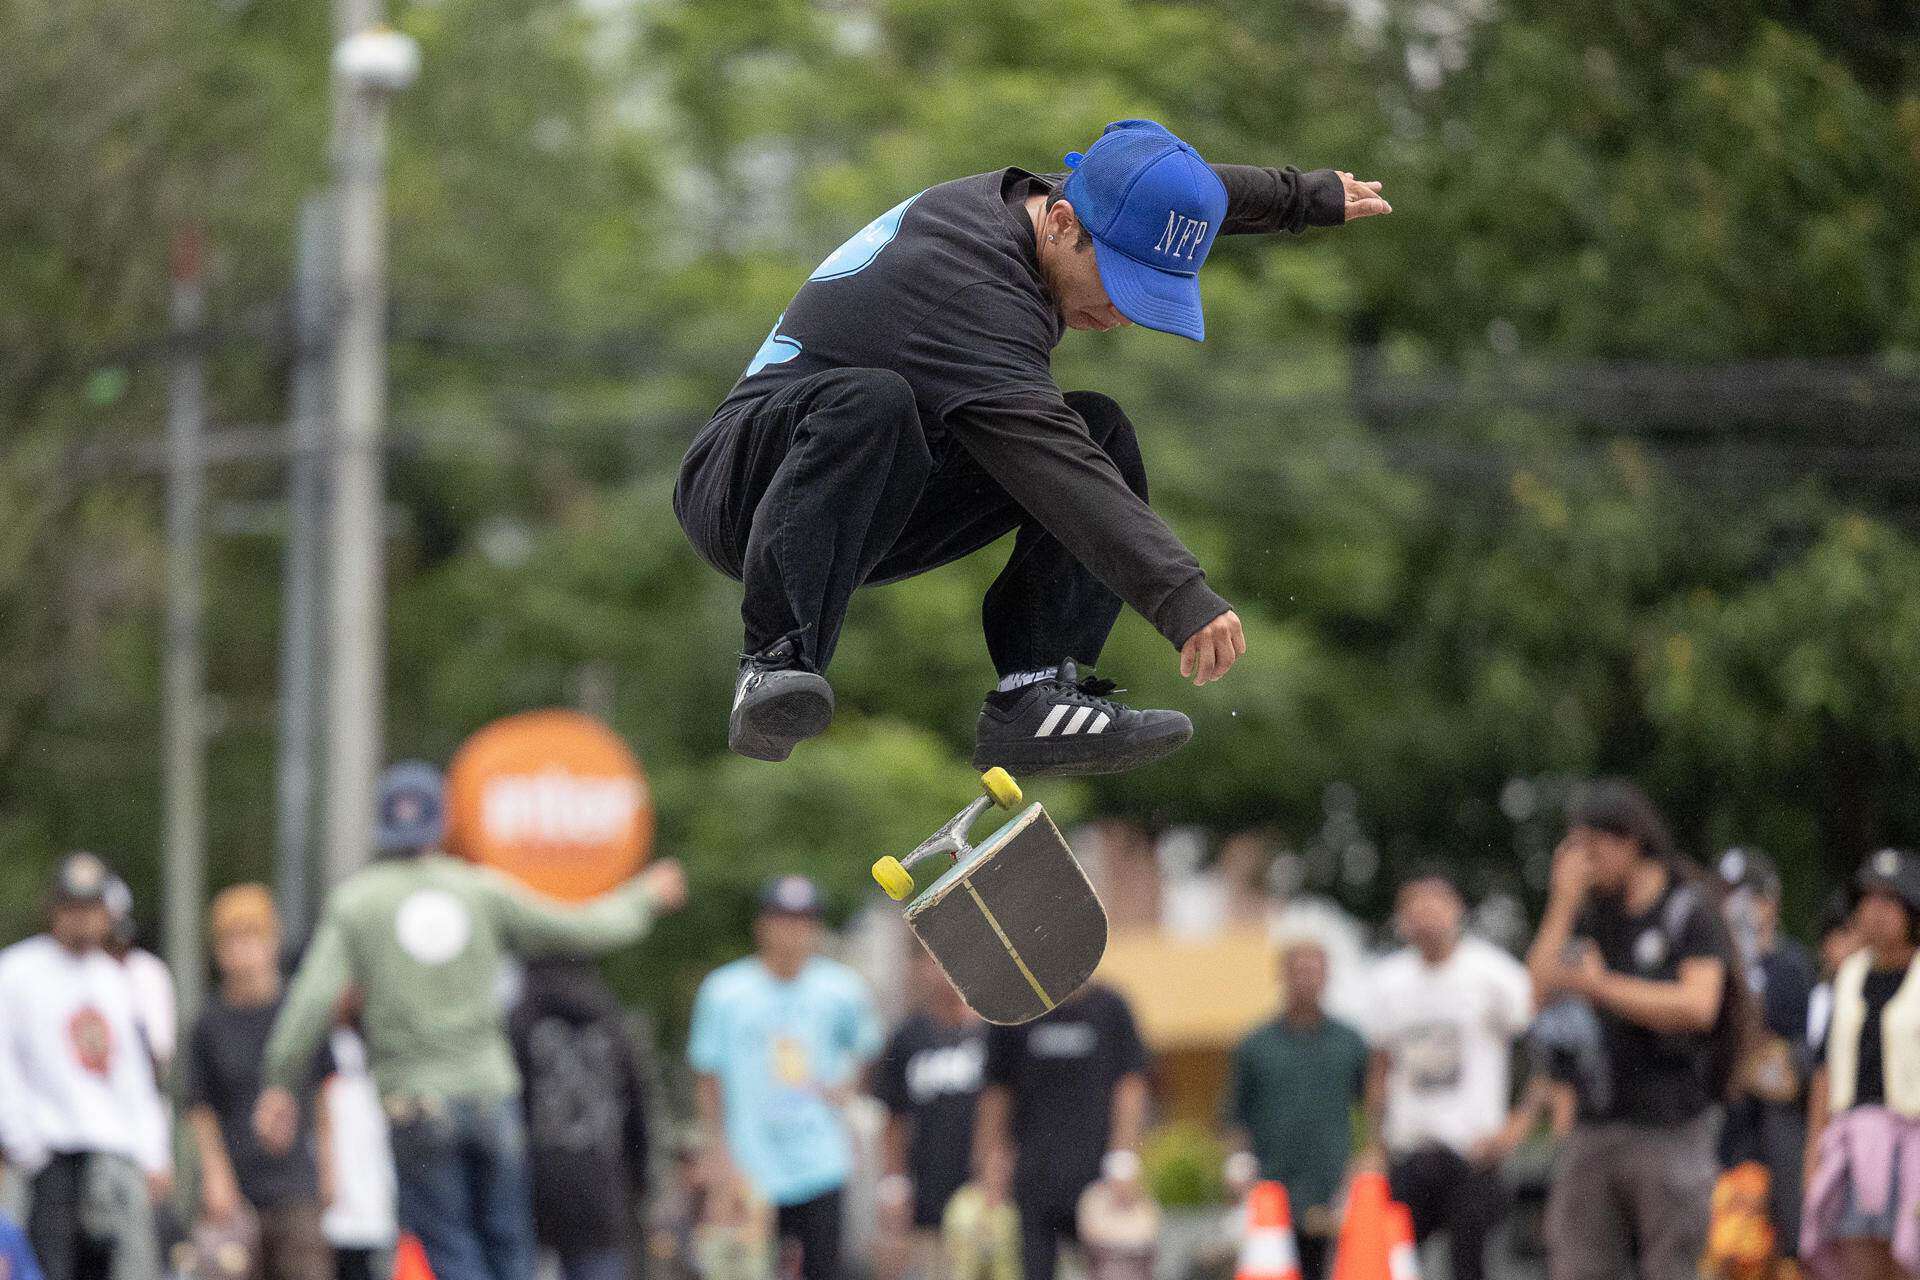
<point x="80" y="1115"/>
<point x="1443" y="1015"/>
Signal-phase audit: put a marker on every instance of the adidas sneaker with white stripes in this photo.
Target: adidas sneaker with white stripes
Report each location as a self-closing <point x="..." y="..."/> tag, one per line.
<point x="1067" y="724"/>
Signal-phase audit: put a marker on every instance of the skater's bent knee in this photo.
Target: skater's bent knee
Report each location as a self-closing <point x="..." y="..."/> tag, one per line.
<point x="1110" y="428"/>
<point x="880" y="392"/>
<point x="1101" y="412"/>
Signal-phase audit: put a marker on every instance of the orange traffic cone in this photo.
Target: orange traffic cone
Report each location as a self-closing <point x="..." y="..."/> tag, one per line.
<point x="1364" y="1238"/>
<point x="1268" y="1251"/>
<point x="1403" y="1255"/>
<point x="410" y="1260"/>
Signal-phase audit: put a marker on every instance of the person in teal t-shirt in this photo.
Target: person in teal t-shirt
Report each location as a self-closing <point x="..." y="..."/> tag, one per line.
<point x="778" y="1041"/>
<point x="1291" y="1094"/>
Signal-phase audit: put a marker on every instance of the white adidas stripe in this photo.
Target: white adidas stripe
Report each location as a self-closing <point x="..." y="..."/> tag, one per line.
<point x="1074" y="725"/>
<point x="1053" y="718"/>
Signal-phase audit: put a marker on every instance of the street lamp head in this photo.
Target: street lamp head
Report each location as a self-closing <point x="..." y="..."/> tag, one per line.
<point x="378" y="60"/>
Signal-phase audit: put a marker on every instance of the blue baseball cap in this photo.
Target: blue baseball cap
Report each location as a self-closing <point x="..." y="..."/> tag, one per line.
<point x="1153" y="207"/>
<point x="790" y="896"/>
<point x="413" y="809"/>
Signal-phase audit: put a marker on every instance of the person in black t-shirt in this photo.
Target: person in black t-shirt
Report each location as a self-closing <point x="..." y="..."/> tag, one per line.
<point x="929" y="1078"/>
<point x="1064" y="1103"/>
<point x="902" y="413"/>
<point x="1864" y="1128"/>
<point x="224" y="1061"/>
<point x="1657" y="965"/>
<point x="586" y="1111"/>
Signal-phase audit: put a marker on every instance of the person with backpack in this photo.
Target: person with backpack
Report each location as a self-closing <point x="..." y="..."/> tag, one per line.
<point x="1653" y="957"/>
<point x="1862" y="1213"/>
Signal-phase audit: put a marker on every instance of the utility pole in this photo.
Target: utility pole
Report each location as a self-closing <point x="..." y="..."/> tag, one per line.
<point x="313" y="298"/>
<point x="370" y="63"/>
<point x="184" y="665"/>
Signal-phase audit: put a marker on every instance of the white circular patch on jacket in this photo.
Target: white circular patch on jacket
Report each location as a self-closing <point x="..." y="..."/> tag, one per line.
<point x="433" y="926"/>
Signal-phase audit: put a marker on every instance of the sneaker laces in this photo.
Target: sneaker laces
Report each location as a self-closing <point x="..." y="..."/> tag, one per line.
<point x="772" y="659"/>
<point x="1095" y="691"/>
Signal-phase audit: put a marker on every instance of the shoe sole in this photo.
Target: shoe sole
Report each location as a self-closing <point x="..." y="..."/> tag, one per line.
<point x="1041" y="758"/>
<point x="770" y="727"/>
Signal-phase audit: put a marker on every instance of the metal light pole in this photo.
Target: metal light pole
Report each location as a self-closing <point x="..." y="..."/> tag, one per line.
<point x="313" y="293"/>
<point x="370" y="63"/>
<point x="184" y="665"/>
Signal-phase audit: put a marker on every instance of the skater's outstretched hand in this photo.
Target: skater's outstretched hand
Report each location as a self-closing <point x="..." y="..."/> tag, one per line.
<point x="1211" y="650"/>
<point x="1363" y="198"/>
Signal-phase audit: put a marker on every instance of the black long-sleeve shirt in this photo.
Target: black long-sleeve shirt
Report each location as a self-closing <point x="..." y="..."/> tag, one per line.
<point x="945" y="289"/>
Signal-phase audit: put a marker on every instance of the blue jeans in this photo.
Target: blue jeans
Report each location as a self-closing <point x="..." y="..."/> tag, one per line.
<point x="465" y="1190"/>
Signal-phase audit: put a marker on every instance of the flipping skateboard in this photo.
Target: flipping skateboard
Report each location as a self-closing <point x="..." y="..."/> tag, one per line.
<point x="1012" y="921"/>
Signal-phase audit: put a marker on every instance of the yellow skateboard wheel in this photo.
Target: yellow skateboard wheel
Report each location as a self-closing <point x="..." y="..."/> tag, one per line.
<point x="893" y="877"/>
<point x="999" y="784"/>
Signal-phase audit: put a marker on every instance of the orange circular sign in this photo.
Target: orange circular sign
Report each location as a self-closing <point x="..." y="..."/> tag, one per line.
<point x="552" y="798"/>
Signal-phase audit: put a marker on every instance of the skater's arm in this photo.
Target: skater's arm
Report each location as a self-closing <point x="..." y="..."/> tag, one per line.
<point x="1262" y="200"/>
<point x="535" y="925"/>
<point x="1038" y="449"/>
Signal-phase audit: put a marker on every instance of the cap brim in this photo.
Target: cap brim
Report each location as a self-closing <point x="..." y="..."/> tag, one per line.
<point x="1151" y="298"/>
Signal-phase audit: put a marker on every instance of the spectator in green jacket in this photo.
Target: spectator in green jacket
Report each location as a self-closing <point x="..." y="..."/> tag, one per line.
<point x="1291" y="1093"/>
<point x="422" y="937"/>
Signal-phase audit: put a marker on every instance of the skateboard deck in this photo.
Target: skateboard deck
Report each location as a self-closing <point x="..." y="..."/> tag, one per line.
<point x="1014" y="922"/>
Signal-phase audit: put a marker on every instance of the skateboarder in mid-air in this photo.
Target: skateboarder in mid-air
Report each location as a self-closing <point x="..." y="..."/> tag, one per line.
<point x="902" y="413"/>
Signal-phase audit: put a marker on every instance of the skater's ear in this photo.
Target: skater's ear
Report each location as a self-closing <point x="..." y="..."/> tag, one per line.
<point x="1063" y="222"/>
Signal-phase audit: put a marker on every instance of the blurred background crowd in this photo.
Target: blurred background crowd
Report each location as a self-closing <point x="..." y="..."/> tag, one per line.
<point x="1596" y="458"/>
<point x="1656" y="1082"/>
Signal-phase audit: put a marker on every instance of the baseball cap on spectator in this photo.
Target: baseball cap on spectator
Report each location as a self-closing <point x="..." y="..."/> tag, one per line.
<point x="1153" y="208"/>
<point x="242" y="908"/>
<point x="412" y="807"/>
<point x="1894" y="872"/>
<point x="1750" y="869"/>
<point x="81" y="877"/>
<point x="790" y="896"/>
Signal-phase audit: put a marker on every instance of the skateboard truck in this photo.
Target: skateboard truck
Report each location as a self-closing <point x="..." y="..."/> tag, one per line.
<point x="895" y="875"/>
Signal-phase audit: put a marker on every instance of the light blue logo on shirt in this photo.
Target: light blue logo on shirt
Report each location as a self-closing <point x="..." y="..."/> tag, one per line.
<point x="864" y="246"/>
<point x="777" y="349"/>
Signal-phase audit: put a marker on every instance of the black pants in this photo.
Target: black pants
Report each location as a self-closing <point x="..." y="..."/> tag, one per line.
<point x="830" y="484"/>
<point x="1448" y="1193"/>
<point x="65" y="1250"/>
<point x="811" y="1227"/>
<point x="1313" y="1255"/>
<point x="353" y="1264"/>
<point x="1045" y="1221"/>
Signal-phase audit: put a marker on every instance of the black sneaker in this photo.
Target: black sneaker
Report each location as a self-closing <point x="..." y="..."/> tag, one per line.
<point x="778" y="700"/>
<point x="1067" y="725"/>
